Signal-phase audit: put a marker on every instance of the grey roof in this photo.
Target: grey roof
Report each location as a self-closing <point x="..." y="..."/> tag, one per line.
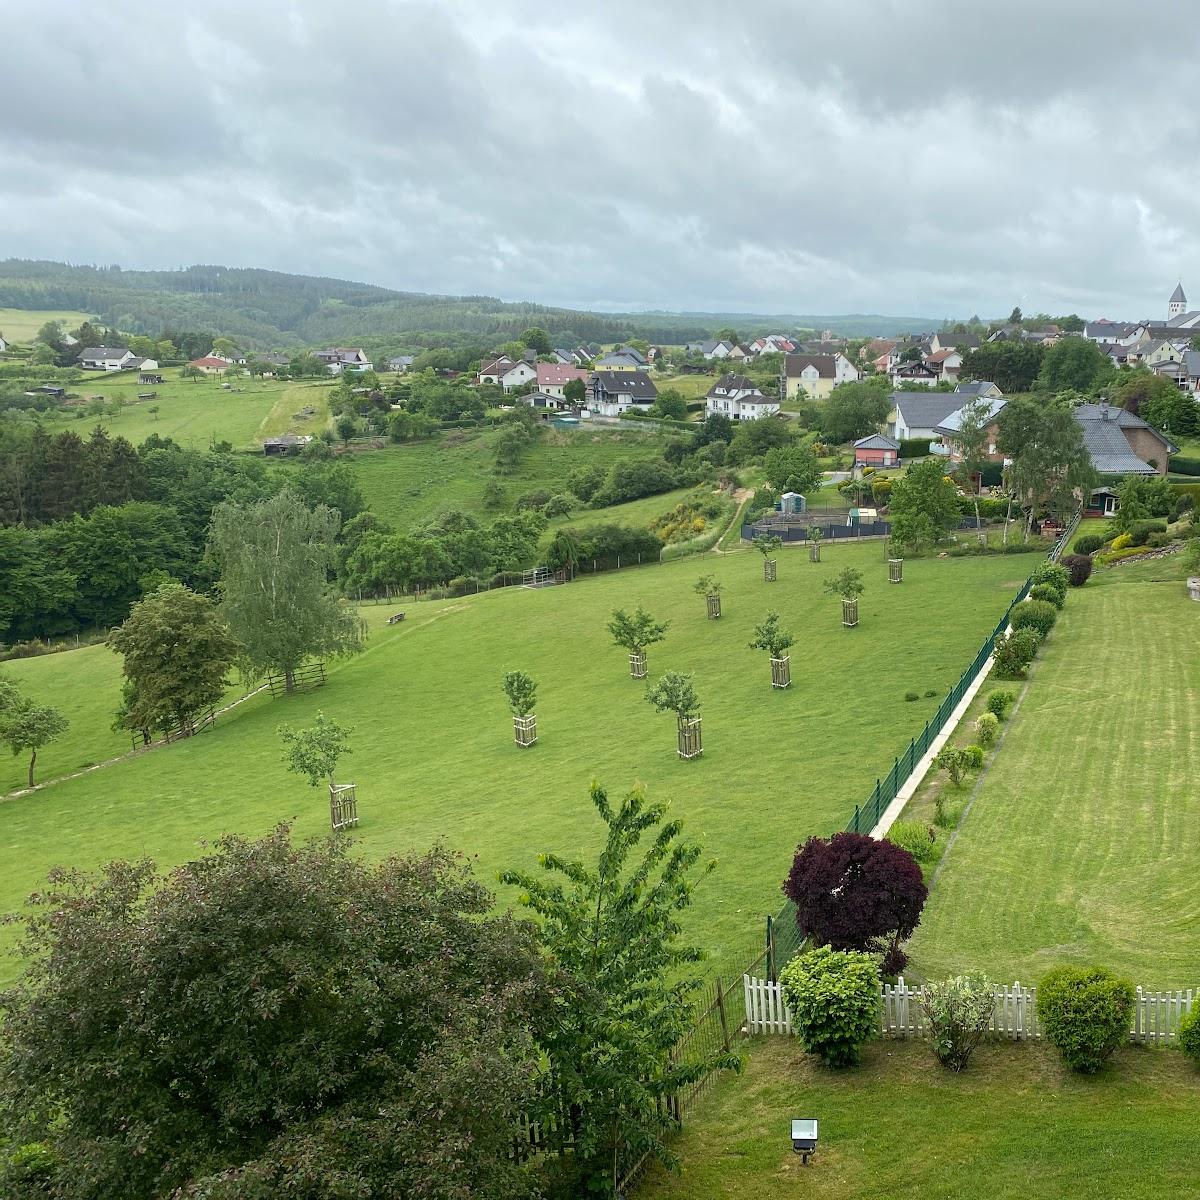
<point x="1110" y="451"/>
<point x="1107" y="329"/>
<point x="974" y="387"/>
<point x="953" y="422"/>
<point x="733" y="383"/>
<point x="877" y="441"/>
<point x="1177" y="296"/>
<point x="825" y="364"/>
<point x="103" y="352"/>
<point x="923" y="410"/>
<point x="636" y="384"/>
<point x="1191" y="363"/>
<point x="620" y="358"/>
<point x="1094" y="415"/>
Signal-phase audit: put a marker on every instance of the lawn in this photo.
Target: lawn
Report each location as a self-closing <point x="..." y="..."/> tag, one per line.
<point x="1016" y="1125"/>
<point x="433" y="754"/>
<point x="197" y="412"/>
<point x="408" y="484"/>
<point x="1082" y="839"/>
<point x="21" y="325"/>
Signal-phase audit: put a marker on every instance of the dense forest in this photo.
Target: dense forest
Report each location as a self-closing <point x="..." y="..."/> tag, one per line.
<point x="272" y="310"/>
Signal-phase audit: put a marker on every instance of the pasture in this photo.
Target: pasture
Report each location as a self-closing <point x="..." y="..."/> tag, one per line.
<point x="21" y="324"/>
<point x="411" y="483"/>
<point x="1016" y="1125"/>
<point x="197" y="412"/>
<point x="433" y="754"/>
<point x="1082" y="839"/>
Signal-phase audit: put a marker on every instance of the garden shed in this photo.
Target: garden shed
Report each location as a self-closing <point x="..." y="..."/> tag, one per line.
<point x="877" y="450"/>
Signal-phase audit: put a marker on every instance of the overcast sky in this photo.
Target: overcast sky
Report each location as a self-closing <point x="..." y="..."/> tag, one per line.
<point x="898" y="156"/>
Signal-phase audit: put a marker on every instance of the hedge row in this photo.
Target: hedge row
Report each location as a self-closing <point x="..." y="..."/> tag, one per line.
<point x="1182" y="465"/>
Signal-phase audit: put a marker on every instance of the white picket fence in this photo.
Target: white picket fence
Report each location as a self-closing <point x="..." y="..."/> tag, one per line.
<point x="1156" y="1015"/>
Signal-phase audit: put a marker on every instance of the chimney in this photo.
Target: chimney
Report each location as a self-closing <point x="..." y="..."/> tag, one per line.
<point x="1104" y="409"/>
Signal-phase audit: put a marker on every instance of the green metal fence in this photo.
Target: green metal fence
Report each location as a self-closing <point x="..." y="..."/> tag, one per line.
<point x="783" y="938"/>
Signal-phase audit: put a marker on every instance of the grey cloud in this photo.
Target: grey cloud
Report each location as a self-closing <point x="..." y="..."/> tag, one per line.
<point x="906" y="156"/>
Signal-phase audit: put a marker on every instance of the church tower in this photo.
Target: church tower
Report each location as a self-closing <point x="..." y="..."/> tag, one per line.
<point x="1177" y="305"/>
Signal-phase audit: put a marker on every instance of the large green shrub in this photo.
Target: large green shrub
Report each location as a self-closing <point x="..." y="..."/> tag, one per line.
<point x="1014" y="653"/>
<point x="1035" y="614"/>
<point x="999" y="702"/>
<point x="1189" y="1034"/>
<point x="1043" y="591"/>
<point x="834" y="999"/>
<point x="958" y="1011"/>
<point x="1080" y="568"/>
<point x="1086" y="1013"/>
<point x="919" y="839"/>
<point x="1141" y="531"/>
<point x="1051" y="573"/>
<point x="1089" y="543"/>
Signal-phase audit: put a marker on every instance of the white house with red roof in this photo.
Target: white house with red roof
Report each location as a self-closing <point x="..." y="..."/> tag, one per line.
<point x="552" y="378"/>
<point x="211" y="364"/>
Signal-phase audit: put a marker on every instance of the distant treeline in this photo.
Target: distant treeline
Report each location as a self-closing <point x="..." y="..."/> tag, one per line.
<point x="275" y="310"/>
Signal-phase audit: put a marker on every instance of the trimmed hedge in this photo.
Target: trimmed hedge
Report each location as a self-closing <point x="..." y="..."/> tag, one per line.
<point x="1086" y="1012"/>
<point x="1035" y="614"/>
<point x="918" y="448"/>
<point x="1089" y="543"/>
<point x="1043" y="591"/>
<point x="1182" y="465"/>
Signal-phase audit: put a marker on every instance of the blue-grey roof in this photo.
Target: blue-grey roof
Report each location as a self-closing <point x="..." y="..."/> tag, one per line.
<point x="923" y="410"/>
<point x="1108" y="446"/>
<point x="975" y="387"/>
<point x="1177" y="296"/>
<point x="877" y="441"/>
<point x="953" y="422"/>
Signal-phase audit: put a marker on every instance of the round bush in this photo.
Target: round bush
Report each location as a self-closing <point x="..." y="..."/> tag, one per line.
<point x="1015" y="652"/>
<point x="1189" y="1034"/>
<point x="1121" y="541"/>
<point x="1088" y="544"/>
<point x="834" y="999"/>
<point x="919" y="839"/>
<point x="1035" y="614"/>
<point x="1086" y="1013"/>
<point x="1000" y="702"/>
<point x="987" y="728"/>
<point x="975" y="757"/>
<point x="1043" y="591"/>
<point x="911" y="696"/>
<point x="1080" y="568"/>
<point x="1052" y="574"/>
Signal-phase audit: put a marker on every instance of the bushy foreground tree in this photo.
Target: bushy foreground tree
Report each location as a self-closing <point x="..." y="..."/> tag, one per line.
<point x="853" y="892"/>
<point x="613" y="930"/>
<point x="272" y="1020"/>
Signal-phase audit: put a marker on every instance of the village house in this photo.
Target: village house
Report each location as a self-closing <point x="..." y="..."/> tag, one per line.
<point x="506" y="373"/>
<point x="552" y="378"/>
<point x="342" y="358"/>
<point x="544" y="403"/>
<point x="978" y="387"/>
<point x="1121" y="443"/>
<point x="107" y="358"/>
<point x="211" y="364"/>
<point x="738" y="398"/>
<point x="962" y="342"/>
<point x="916" y="415"/>
<point x="620" y="360"/>
<point x="814" y="375"/>
<point x="610" y="393"/>
<point x="915" y="372"/>
<point x="400" y="363"/>
<point x="876" y="450"/>
<point x="947" y="429"/>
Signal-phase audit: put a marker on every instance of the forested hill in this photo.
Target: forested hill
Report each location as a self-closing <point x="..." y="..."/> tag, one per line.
<point x="274" y="310"/>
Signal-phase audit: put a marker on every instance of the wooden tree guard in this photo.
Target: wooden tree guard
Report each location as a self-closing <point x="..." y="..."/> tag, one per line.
<point x="769" y="570"/>
<point x="690" y="744"/>
<point x="895" y="570"/>
<point x="525" y="730"/>
<point x="849" y="613"/>
<point x="637" y="664"/>
<point x="781" y="671"/>
<point x="714" y="606"/>
<point x="814" y="551"/>
<point x="343" y="806"/>
<point x="982" y="536"/>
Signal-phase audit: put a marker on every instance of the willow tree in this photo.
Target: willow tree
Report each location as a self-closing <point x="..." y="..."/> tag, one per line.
<point x="275" y="558"/>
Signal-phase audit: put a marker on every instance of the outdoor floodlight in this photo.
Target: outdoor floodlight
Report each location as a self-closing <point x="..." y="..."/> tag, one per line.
<point x="804" y="1139"/>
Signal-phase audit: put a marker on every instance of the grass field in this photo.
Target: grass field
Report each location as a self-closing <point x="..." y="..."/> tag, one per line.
<point x="196" y="412"/>
<point x="21" y="325"/>
<point x="410" y="483"/>
<point x="1082" y="840"/>
<point x="433" y="754"/>
<point x="1016" y="1125"/>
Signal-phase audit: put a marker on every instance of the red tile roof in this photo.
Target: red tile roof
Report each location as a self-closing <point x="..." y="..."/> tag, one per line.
<point x="558" y="374"/>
